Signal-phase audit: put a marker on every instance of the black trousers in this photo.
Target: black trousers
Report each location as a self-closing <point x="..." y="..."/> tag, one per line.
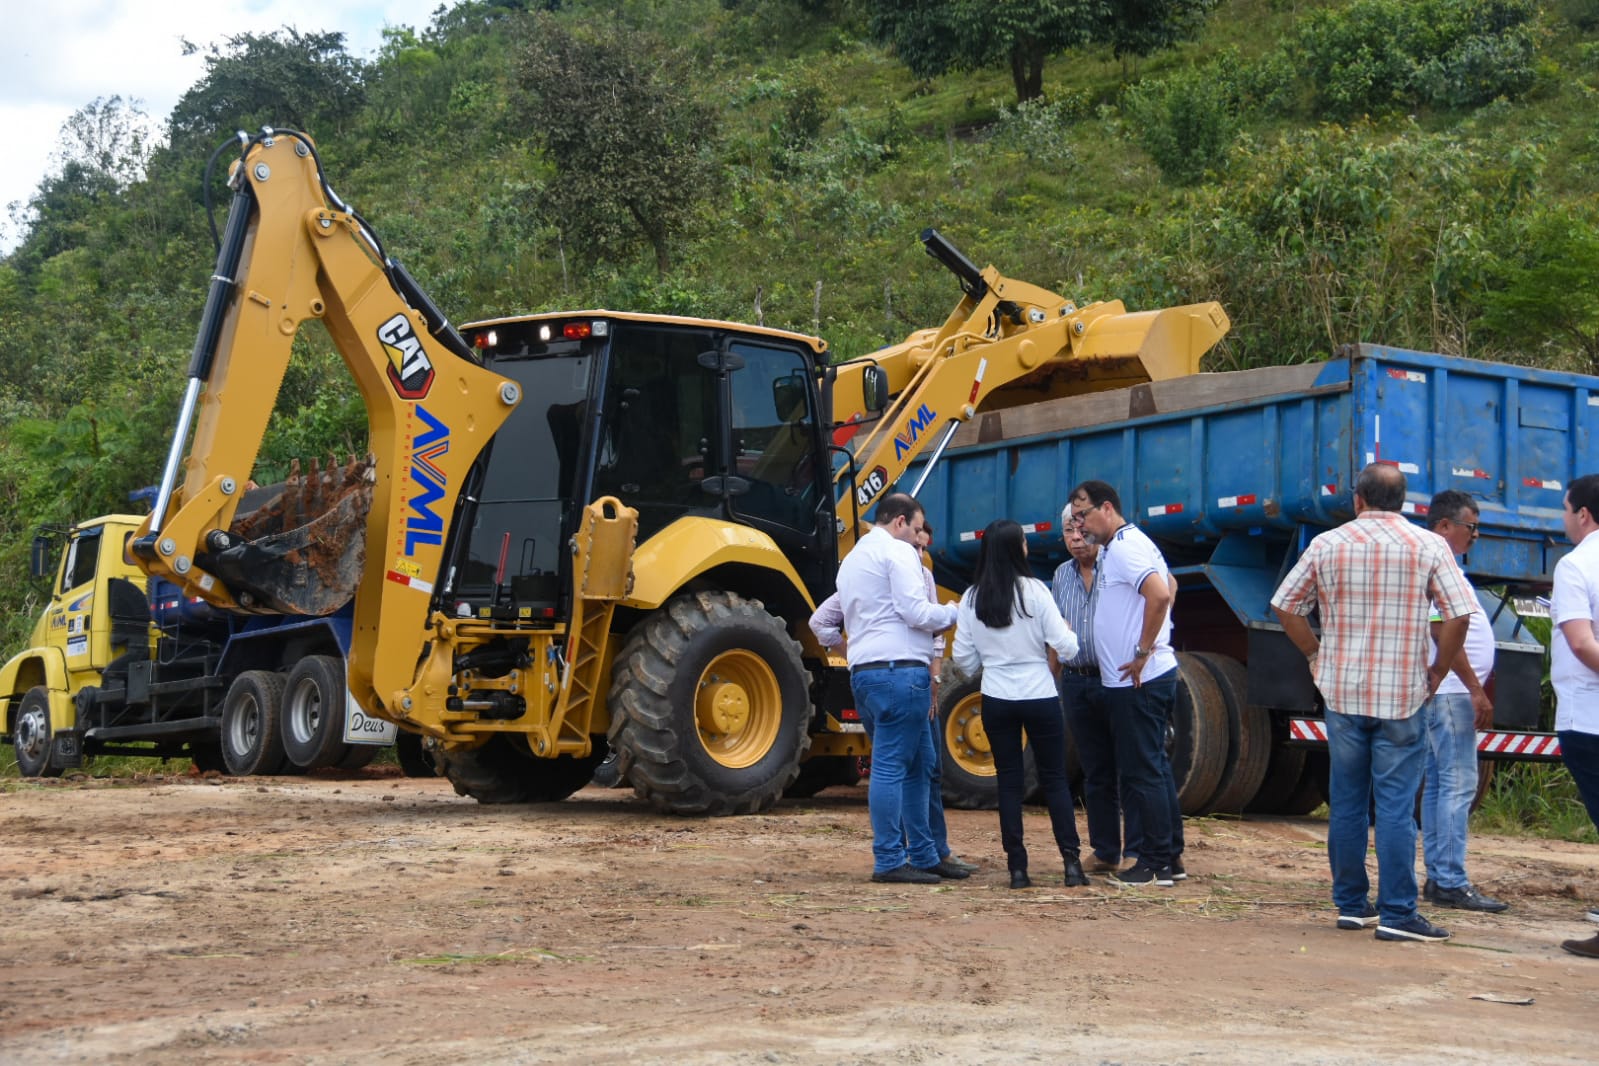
<point x="1045" y="724"/>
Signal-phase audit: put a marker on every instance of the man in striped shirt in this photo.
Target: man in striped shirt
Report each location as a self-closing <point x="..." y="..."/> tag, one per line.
<point x="1375" y="580"/>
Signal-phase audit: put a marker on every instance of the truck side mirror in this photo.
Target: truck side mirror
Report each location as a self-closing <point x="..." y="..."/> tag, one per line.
<point x="39" y="558"/>
<point x="874" y="389"/>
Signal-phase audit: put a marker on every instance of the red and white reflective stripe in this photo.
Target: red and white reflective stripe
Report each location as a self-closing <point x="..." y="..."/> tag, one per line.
<point x="413" y="582"/>
<point x="1035" y="527"/>
<point x="1546" y="744"/>
<point x="1461" y="471"/>
<point x="1235" y="501"/>
<point x="1307" y="729"/>
<point x="1407" y="375"/>
<point x="1408" y="468"/>
<point x="1330" y="490"/>
<point x="1164" y="509"/>
<point x="982" y="368"/>
<point x="1537" y="483"/>
<point x="1413" y="508"/>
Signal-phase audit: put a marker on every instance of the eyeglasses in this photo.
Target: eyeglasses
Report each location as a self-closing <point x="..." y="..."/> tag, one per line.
<point x="1468" y="525"/>
<point x="1076" y="518"/>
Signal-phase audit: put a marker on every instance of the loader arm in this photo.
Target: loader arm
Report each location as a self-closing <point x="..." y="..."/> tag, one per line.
<point x="294" y="252"/>
<point x="1006" y="343"/>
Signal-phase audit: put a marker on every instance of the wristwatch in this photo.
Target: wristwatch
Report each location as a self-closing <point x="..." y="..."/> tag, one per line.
<point x="1141" y="652"/>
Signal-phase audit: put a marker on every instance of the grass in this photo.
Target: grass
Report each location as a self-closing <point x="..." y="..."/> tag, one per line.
<point x="1536" y="800"/>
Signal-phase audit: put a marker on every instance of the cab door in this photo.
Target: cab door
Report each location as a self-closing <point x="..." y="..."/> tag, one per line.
<point x="72" y="622"/>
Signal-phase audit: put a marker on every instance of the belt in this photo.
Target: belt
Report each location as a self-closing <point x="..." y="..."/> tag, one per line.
<point x="1081" y="671"/>
<point x="892" y="664"/>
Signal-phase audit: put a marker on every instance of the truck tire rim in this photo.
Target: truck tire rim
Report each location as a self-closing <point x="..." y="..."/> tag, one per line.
<point x="305" y="710"/>
<point x="245" y="728"/>
<point x="738" y="708"/>
<point x="965" y="738"/>
<point x="33" y="737"/>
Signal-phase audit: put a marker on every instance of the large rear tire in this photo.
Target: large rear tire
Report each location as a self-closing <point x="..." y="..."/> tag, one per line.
<point x="207" y="757"/>
<point x="1197" y="742"/>
<point x="504" y="770"/>
<point x="313" y="712"/>
<point x="1311" y="792"/>
<point x="709" y="707"/>
<point x="970" y="780"/>
<point x="32" y="736"/>
<point x="1284" y="768"/>
<point x="1248" y="736"/>
<point x="252" y="737"/>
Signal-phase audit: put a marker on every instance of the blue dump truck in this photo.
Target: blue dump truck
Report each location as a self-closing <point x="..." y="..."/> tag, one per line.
<point x="1232" y="474"/>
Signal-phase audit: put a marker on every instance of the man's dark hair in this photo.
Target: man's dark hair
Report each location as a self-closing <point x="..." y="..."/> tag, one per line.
<point x="1382" y="486"/>
<point x="927" y="527"/>
<point x="1099" y="493"/>
<point x="1584" y="492"/>
<point x="897" y="505"/>
<point x="1447" y="505"/>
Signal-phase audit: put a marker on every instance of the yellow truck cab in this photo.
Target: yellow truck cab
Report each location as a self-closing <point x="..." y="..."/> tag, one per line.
<point x="96" y="603"/>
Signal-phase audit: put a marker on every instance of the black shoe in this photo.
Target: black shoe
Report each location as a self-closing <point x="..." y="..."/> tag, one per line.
<point x="1177" y="871"/>
<point x="1141" y="874"/>
<point x="1417" y="928"/>
<point x="1364" y="920"/>
<point x="1075" y="878"/>
<point x="1588" y="949"/>
<point x="1019" y="879"/>
<point x="1467" y="898"/>
<point x="946" y="870"/>
<point x="960" y="863"/>
<point x="1101" y="865"/>
<point x="907" y="875"/>
<point x="1427" y="890"/>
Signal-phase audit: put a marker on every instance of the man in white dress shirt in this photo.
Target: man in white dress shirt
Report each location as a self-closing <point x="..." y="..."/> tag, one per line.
<point x="891" y="625"/>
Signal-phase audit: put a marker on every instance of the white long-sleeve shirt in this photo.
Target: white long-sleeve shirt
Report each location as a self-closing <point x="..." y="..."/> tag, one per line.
<point x="827" y="622"/>
<point x="1014" y="661"/>
<point x="886" y="610"/>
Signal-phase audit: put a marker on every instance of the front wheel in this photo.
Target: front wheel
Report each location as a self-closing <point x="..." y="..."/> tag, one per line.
<point x="503" y="769"/>
<point x="32" y="736"/>
<point x="709" y="706"/>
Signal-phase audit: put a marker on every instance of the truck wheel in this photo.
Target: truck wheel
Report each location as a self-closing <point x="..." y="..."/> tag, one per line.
<point x="313" y="712"/>
<point x="252" y="742"/>
<point x="1311" y="792"/>
<point x="970" y="782"/>
<point x="1197" y="741"/>
<point x="1248" y="736"/>
<point x="1283" y="770"/>
<point x="415" y="760"/>
<point x="504" y="770"/>
<point x="709" y="706"/>
<point x="824" y="771"/>
<point x="32" y="737"/>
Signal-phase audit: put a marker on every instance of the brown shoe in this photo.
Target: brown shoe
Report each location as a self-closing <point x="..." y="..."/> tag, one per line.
<point x="1588" y="949"/>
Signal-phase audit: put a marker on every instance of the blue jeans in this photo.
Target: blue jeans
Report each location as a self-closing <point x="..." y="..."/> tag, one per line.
<point x="1580" y="752"/>
<point x="1381" y="758"/>
<point x="893" y="707"/>
<point x="1003" y="721"/>
<point x="1138" y="721"/>
<point x="1451" y="785"/>
<point x="1083" y="698"/>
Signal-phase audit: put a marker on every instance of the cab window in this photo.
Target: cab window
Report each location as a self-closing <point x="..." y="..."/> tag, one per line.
<point x="83" y="554"/>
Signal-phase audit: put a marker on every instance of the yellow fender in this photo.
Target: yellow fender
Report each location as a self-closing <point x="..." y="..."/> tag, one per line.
<point x="33" y="667"/>
<point x="689" y="547"/>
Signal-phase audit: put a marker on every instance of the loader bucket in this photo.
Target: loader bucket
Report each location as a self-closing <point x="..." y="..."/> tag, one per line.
<point x="301" y="547"/>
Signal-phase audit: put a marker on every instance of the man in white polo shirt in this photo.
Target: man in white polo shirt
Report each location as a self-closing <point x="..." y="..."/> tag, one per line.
<point x="1132" y="641"/>
<point x="1574" y="669"/>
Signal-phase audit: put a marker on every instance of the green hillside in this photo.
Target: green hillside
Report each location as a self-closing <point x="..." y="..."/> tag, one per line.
<point x="1420" y="174"/>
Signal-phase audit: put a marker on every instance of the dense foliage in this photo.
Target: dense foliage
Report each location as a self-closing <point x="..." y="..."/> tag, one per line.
<point x="1414" y="173"/>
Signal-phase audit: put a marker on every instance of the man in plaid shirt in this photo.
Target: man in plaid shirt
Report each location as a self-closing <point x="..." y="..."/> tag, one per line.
<point x="1376" y="580"/>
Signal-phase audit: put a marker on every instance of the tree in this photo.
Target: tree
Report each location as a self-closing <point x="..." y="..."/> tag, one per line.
<point x="302" y="81"/>
<point x="932" y="37"/>
<point x="1540" y="295"/>
<point x="632" y="150"/>
<point x="1143" y="27"/>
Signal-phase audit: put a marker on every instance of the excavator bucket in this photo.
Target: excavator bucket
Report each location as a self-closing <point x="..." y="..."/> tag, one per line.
<point x="299" y="547"/>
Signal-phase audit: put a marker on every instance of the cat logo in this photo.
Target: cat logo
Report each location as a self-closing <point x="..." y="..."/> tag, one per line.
<point x="410" y="370"/>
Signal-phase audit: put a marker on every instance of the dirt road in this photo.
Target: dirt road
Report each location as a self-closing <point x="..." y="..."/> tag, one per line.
<point x="385" y="920"/>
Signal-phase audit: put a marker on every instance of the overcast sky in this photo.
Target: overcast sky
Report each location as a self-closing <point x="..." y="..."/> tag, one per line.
<point x="58" y="55"/>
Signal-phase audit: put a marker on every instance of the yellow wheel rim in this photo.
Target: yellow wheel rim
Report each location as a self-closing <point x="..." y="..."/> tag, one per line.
<point x="966" y="740"/>
<point x="738" y="708"/>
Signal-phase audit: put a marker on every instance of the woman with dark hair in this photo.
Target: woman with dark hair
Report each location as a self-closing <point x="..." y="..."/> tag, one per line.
<point x="1008" y="623"/>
